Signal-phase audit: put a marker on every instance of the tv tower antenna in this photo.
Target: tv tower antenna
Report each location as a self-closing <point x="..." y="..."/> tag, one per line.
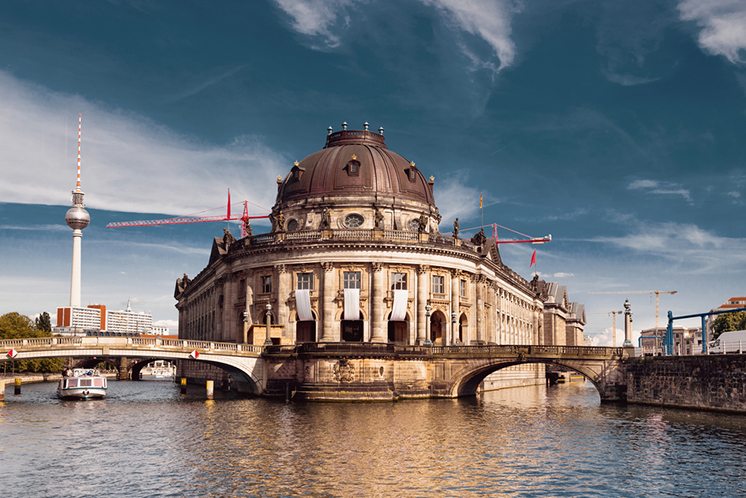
<point x="77" y="218"/>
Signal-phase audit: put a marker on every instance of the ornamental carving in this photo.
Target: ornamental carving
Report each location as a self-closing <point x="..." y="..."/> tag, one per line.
<point x="376" y="267"/>
<point x="343" y="371"/>
<point x="327" y="266"/>
<point x="281" y="268"/>
<point x="423" y="269"/>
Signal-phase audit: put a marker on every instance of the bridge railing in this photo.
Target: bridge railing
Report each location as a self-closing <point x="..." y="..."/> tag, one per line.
<point x="157" y="342"/>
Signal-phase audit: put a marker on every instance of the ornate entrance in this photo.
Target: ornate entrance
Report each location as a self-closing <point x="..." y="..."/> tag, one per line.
<point x="437" y="328"/>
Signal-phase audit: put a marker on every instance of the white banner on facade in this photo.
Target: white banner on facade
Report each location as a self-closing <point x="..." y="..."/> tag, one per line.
<point x="303" y="304"/>
<point x="352" y="304"/>
<point x="399" y="310"/>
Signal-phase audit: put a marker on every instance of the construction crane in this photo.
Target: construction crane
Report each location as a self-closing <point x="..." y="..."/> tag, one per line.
<point x="180" y="220"/>
<point x="528" y="240"/>
<point x="656" y="293"/>
<point x="613" y="315"/>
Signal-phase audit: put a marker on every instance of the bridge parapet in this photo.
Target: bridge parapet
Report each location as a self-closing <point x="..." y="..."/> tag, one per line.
<point x="37" y="343"/>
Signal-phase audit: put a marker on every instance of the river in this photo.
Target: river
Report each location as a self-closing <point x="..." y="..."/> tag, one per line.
<point x="146" y="439"/>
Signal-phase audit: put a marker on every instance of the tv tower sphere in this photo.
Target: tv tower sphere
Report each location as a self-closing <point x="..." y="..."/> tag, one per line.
<point x="77" y="218"/>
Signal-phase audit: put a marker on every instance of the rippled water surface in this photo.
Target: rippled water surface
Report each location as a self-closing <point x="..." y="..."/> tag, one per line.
<point x="146" y="439"/>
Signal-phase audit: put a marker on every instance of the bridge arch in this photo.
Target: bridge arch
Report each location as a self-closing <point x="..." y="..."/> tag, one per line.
<point x="470" y="379"/>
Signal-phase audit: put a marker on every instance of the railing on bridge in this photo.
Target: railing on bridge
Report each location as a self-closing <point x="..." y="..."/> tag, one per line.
<point x="137" y="342"/>
<point x="363" y="348"/>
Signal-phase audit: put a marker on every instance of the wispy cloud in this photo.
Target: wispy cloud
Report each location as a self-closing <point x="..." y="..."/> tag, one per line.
<point x="487" y="19"/>
<point x="660" y="188"/>
<point x="317" y="18"/>
<point x="129" y="163"/>
<point x="34" y="228"/>
<point x="456" y="199"/>
<point x="206" y="83"/>
<point x="694" y="249"/>
<point x="722" y="23"/>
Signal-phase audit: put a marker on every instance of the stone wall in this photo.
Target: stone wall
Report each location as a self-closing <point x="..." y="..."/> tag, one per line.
<point x="715" y="382"/>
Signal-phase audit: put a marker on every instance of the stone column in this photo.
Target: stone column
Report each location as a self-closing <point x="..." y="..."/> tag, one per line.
<point x="376" y="304"/>
<point x="422" y="276"/>
<point x="480" y="308"/>
<point x="628" y="325"/>
<point x="327" y="325"/>
<point x="455" y="303"/>
<point x="283" y="292"/>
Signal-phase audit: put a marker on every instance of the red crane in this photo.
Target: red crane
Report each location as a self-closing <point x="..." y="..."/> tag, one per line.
<point x="181" y="220"/>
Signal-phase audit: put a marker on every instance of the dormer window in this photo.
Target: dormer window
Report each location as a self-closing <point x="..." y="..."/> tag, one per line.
<point x="353" y="166"/>
<point x="297" y="172"/>
<point x="411" y="172"/>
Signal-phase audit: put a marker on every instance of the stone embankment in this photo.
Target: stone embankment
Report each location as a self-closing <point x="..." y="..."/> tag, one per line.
<point x="707" y="382"/>
<point x="7" y="380"/>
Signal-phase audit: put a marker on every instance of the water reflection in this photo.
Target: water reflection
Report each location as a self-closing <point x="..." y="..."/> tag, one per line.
<point x="147" y="439"/>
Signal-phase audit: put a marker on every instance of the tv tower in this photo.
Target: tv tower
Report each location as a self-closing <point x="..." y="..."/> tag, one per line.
<point x="77" y="218"/>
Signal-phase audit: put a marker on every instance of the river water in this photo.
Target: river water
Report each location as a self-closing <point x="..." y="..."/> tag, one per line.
<point x="146" y="439"/>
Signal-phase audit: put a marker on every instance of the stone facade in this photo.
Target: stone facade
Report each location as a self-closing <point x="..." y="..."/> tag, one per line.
<point x="355" y="240"/>
<point x="711" y="382"/>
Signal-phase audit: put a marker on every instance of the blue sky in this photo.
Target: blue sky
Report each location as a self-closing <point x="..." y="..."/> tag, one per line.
<point x="618" y="127"/>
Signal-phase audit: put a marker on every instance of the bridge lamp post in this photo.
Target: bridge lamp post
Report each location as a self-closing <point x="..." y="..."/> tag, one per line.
<point x="454" y="327"/>
<point x="268" y="321"/>
<point x="428" y="312"/>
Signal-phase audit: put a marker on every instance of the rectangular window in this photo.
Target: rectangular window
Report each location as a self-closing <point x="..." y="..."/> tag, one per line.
<point x="399" y="281"/>
<point x="305" y="281"/>
<point x="438" y="284"/>
<point x="351" y="280"/>
<point x="266" y="284"/>
<point x="462" y="287"/>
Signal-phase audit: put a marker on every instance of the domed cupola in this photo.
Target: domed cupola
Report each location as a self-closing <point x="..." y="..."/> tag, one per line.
<point x="355" y="172"/>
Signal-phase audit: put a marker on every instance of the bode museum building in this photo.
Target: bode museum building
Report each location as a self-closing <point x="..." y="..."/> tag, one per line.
<point x="356" y="255"/>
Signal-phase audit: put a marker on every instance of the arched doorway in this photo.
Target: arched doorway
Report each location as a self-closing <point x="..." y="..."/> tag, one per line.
<point x="437" y="328"/>
<point x="463" y="327"/>
<point x="399" y="330"/>
<point x="305" y="330"/>
<point x="352" y="330"/>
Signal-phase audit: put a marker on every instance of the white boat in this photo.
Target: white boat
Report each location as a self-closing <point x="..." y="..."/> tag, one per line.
<point x="158" y="370"/>
<point x="82" y="383"/>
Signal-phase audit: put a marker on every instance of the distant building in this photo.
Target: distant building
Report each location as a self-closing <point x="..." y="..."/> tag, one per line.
<point x="564" y="321"/>
<point x="95" y="318"/>
<point x="686" y="341"/>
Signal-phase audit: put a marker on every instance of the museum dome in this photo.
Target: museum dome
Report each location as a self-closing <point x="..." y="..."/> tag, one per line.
<point x="354" y="163"/>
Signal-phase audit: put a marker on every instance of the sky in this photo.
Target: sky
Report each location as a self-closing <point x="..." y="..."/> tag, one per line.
<point x="617" y="127"/>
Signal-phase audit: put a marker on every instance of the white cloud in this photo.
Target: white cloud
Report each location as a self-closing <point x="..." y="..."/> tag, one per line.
<point x="173" y="325"/>
<point x="692" y="248"/>
<point x="734" y="195"/>
<point x="722" y="23"/>
<point x="128" y="163"/>
<point x="316" y="18"/>
<point x="487" y="19"/>
<point x="660" y="188"/>
<point x="455" y="199"/>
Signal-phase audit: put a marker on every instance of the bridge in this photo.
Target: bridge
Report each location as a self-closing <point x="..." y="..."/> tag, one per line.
<point x="340" y="371"/>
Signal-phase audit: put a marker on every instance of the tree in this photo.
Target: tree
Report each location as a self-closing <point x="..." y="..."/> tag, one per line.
<point x="43" y="322"/>
<point x="727" y="322"/>
<point x="17" y="326"/>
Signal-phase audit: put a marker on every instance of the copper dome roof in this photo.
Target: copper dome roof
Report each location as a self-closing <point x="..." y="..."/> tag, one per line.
<point x="355" y="162"/>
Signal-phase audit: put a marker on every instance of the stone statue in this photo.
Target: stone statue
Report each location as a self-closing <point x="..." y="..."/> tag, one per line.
<point x="228" y="238"/>
<point x="326" y="221"/>
<point x="280" y="221"/>
<point x="249" y="304"/>
<point x="247" y="228"/>
<point x="379" y="219"/>
<point x="456" y="227"/>
<point x="181" y="285"/>
<point x="479" y="238"/>
<point x="423" y="223"/>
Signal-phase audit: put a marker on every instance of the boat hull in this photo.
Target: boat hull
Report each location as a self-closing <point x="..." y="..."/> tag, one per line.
<point x="82" y="393"/>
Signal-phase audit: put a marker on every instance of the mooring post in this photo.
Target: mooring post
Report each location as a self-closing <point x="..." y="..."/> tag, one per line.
<point x="210" y="388"/>
<point x="2" y="390"/>
<point x="183" y="385"/>
<point x="17" y="388"/>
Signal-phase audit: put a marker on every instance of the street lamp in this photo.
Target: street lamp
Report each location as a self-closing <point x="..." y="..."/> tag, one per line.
<point x="454" y="327"/>
<point x="428" y="310"/>
<point x="268" y="320"/>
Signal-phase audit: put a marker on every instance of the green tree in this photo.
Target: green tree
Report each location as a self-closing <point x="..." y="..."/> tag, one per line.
<point x="727" y="322"/>
<point x="44" y="322"/>
<point x="17" y="326"/>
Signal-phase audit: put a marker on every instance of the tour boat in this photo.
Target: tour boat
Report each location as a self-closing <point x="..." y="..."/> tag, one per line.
<point x="158" y="370"/>
<point x="83" y="383"/>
